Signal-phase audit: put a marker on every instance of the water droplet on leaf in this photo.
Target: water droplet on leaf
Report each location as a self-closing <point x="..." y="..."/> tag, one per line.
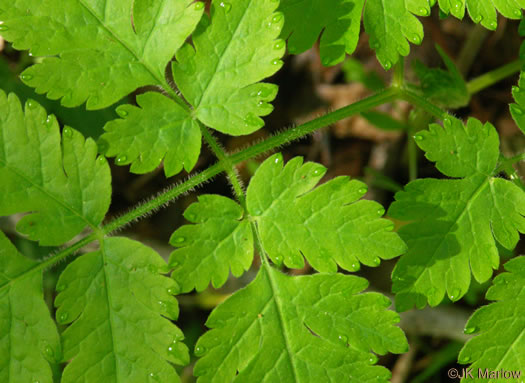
<point x="277" y="17"/>
<point x="49" y="352"/>
<point x="363" y="190"/>
<point x="278" y="44"/>
<point x="454" y="295"/>
<point x="464" y="360"/>
<point x="354" y="267"/>
<point x="227" y="6"/>
<point x="373" y="359"/>
<point x="62" y="318"/>
<point x="174" y="290"/>
<point x="122" y="112"/>
<point x="26" y="77"/>
<point x="380" y="211"/>
<point x="278" y="260"/>
<point x="200" y="351"/>
<point x="67" y="132"/>
<point x="387" y="65"/>
<point x="470" y="330"/>
<point x="343" y="339"/>
<point x="275" y="62"/>
<point x="154" y="376"/>
<point x="447" y="122"/>
<point x="376" y="261"/>
<point x="416" y="39"/>
<point x="418" y="137"/>
<point x="31" y="104"/>
<point x="493" y="25"/>
<point x="172" y="350"/>
<point x="162" y="305"/>
<point x="424" y="12"/>
<point x="4" y="28"/>
<point x="199" y="5"/>
<point x="397" y="278"/>
<point x="50" y="120"/>
<point x="121" y="160"/>
<point x="477" y="19"/>
<point x="61" y="287"/>
<point x="179" y="240"/>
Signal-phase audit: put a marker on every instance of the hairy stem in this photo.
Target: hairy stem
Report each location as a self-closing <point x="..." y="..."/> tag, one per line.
<point x="226" y="163"/>
<point x="290" y="135"/>
<point x="162" y="199"/>
<point x="272" y="143"/>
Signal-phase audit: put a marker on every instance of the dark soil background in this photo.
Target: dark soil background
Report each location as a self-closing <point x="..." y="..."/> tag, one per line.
<point x="353" y="147"/>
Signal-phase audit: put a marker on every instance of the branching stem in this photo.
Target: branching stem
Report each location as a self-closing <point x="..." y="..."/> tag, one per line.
<point x="227" y="162"/>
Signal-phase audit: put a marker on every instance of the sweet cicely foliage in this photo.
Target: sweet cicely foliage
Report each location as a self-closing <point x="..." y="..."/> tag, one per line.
<point x="500" y="326"/>
<point x="195" y="70"/>
<point x="456" y="222"/>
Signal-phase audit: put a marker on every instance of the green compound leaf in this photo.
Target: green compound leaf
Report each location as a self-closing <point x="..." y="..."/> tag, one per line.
<point x="220" y="240"/>
<point x="391" y="26"/>
<point x="500" y="326"/>
<point x="101" y="53"/>
<point x="446" y="88"/>
<point x="455" y="223"/>
<point x="338" y="21"/>
<point x="29" y="340"/>
<point x="119" y="306"/>
<point x="328" y="226"/>
<point x="58" y="179"/>
<point x="313" y="328"/>
<point x="159" y="129"/>
<point x="219" y="74"/>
